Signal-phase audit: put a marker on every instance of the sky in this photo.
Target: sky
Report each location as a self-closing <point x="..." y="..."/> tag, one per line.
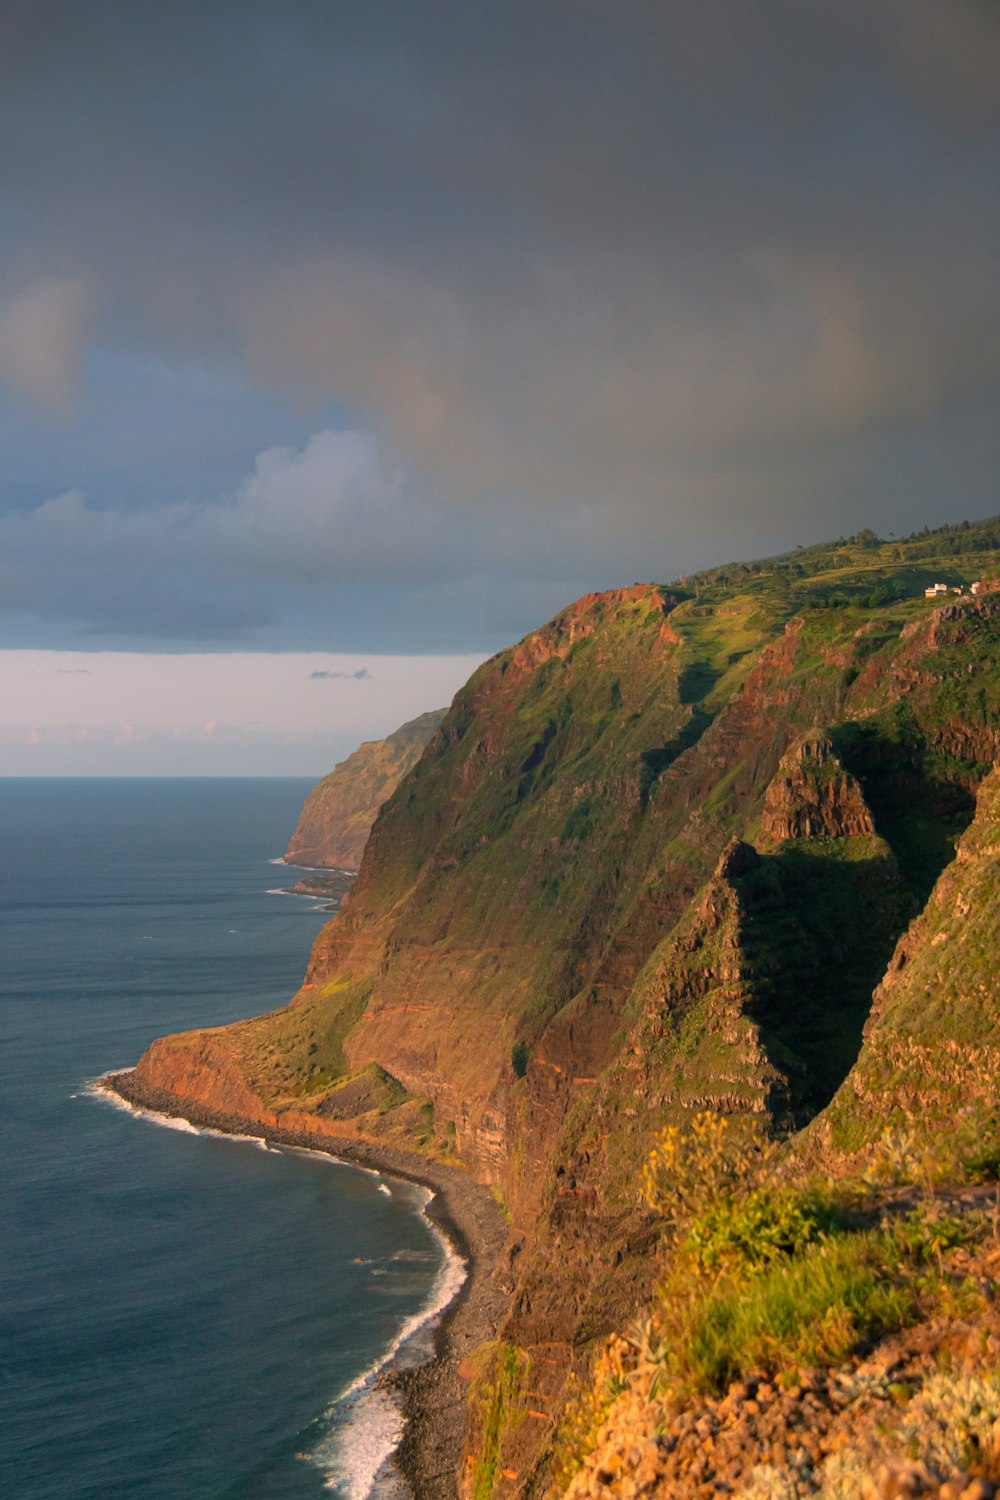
<point x="207" y="713"/>
<point x="385" y="330"/>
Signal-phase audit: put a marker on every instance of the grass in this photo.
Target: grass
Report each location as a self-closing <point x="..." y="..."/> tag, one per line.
<point x="814" y="1308"/>
<point x="497" y="1398"/>
<point x="766" y="1276"/>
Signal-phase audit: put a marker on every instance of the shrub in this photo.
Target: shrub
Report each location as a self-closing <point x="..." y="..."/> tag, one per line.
<point x="706" y="1166"/>
<point x="930" y="1232"/>
<point x="813" y="1308"/>
<point x="984" y="1165"/>
<point x="519" y="1057"/>
<point x="764" y="1226"/>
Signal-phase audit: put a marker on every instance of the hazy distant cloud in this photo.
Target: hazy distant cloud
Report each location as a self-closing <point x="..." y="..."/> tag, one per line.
<point x="197" y="712"/>
<point x="72" y="672"/>
<point x="42" y="333"/>
<point x="357" y="676"/>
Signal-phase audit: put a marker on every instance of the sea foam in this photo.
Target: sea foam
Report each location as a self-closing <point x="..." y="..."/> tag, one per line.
<point x="98" y="1088"/>
<point x="364" y="1422"/>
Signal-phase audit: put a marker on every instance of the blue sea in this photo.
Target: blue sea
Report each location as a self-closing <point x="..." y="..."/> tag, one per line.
<point x="183" y="1316"/>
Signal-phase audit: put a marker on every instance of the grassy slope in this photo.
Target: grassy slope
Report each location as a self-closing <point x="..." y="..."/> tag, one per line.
<point x="531" y="882"/>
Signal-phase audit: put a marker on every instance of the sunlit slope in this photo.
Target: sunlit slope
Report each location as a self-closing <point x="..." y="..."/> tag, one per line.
<point x="574" y="802"/>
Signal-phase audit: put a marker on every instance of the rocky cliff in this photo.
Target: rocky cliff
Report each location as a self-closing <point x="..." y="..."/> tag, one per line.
<point x="338" y="814"/>
<point x="813" y="796"/>
<point x="657" y="856"/>
<point x="930" y="1062"/>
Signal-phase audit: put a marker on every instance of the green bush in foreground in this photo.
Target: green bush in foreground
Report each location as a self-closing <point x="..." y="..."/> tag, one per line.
<point x="766" y="1225"/>
<point x="812" y="1309"/>
<point x="767" y="1276"/>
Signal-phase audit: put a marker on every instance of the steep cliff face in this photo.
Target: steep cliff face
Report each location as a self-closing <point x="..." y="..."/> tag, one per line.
<point x="576" y="798"/>
<point x="554" y="944"/>
<point x="338" y="814"/>
<point x="931" y="1055"/>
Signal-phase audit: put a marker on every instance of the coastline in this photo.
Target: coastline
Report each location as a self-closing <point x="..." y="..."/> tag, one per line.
<point x="432" y="1395"/>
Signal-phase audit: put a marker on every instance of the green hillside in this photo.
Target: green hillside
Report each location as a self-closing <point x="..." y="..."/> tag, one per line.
<point x="656" y="860"/>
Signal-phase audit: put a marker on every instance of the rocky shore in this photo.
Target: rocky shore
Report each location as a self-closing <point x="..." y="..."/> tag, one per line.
<point x="432" y="1395"/>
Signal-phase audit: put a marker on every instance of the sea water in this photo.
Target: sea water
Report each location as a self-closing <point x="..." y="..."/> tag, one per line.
<point x="183" y="1316"/>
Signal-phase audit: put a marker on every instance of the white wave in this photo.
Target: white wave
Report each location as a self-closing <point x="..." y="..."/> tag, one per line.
<point x="313" y="869"/>
<point x="331" y="1158"/>
<point x="97" y="1088"/>
<point x="232" y="1135"/>
<point x="170" y="1122"/>
<point x="299" y="895"/>
<point x="367" y="1422"/>
<point x="384" y="1188"/>
<point x="354" y="1456"/>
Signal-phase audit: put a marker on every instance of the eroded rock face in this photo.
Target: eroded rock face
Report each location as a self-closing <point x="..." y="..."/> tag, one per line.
<point x="812" y="796"/>
<point x="560" y="938"/>
<point x="931" y="1055"/>
<point x="338" y="814"/>
<point x="574" y="802"/>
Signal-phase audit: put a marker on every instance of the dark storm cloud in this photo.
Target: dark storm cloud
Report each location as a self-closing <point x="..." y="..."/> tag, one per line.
<point x="607" y="283"/>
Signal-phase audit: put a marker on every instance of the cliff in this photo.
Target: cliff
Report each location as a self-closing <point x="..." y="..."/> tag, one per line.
<point x="813" y="796"/>
<point x="930" y="1062"/>
<point x="657" y="857"/>
<point x="338" y="814"/>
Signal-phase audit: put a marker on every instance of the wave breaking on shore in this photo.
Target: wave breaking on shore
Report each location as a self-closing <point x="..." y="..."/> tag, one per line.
<point x="366" y="1419"/>
<point x="364" y="1424"/>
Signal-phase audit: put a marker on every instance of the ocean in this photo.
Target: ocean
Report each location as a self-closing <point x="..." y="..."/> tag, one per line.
<point x="183" y="1316"/>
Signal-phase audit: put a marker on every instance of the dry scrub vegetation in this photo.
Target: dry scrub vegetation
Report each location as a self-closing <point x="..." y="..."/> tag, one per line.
<point x="809" y="1338"/>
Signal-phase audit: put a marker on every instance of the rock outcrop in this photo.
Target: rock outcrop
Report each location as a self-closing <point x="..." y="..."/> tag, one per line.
<point x="931" y="1054"/>
<point x="812" y="796"/>
<point x="338" y="814"/>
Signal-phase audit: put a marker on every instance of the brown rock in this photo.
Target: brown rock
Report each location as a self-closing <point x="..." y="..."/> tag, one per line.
<point x="812" y="796"/>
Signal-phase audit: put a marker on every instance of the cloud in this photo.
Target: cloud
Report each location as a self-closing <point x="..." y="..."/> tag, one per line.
<point x="42" y="339"/>
<point x="318" y="534"/>
<point x="357" y="676"/>
<point x="597" y="290"/>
